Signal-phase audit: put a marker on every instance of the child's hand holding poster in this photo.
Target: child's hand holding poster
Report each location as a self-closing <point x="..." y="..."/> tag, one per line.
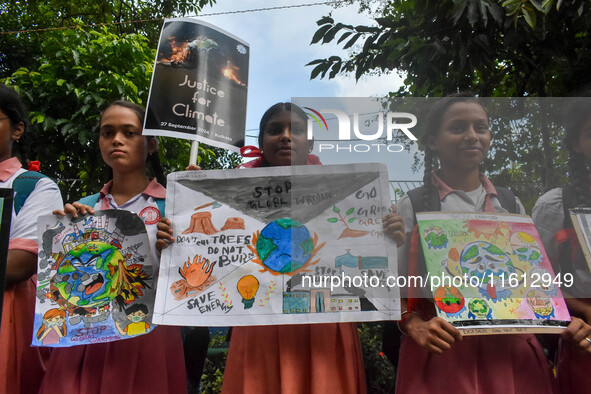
<point x="489" y="273"/>
<point x="94" y="281"/>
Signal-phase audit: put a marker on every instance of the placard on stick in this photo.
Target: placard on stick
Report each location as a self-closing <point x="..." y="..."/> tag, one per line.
<point x="199" y="85"/>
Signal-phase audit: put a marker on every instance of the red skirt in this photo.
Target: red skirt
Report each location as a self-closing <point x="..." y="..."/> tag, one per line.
<point x="574" y="369"/>
<point x="150" y="363"/>
<point x="308" y="358"/>
<point x="506" y="364"/>
<point x="21" y="366"/>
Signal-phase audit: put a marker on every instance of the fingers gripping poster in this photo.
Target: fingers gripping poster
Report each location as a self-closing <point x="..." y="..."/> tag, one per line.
<point x="281" y="245"/>
<point x="489" y="273"/>
<point x="94" y="281"/>
<point x="199" y="85"/>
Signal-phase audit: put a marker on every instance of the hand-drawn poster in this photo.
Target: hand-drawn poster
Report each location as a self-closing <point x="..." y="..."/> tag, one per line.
<point x="489" y="273"/>
<point x="94" y="281"/>
<point x="281" y="245"/>
<point x="199" y="85"/>
<point x="581" y="218"/>
<point x="6" y="196"/>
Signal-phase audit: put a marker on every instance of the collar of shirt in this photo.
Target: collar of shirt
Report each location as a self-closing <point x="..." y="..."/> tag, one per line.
<point x="8" y="167"/>
<point x="444" y="190"/>
<point x="154" y="190"/>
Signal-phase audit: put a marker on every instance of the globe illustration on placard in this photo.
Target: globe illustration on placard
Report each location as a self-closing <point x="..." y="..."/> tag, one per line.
<point x="87" y="274"/>
<point x="284" y="246"/>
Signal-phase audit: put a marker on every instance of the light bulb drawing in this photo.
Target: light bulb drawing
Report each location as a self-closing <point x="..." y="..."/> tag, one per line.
<point x="247" y="287"/>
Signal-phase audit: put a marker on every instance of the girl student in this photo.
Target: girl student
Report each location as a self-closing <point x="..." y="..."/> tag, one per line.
<point x="311" y="358"/>
<point x="553" y="221"/>
<point x="434" y="357"/>
<point x="151" y="363"/>
<point x="21" y="366"/>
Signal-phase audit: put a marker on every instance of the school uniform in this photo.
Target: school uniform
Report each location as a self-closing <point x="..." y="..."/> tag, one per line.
<point x="477" y="364"/>
<point x="150" y="363"/>
<point x="573" y="365"/>
<point x="22" y="366"/>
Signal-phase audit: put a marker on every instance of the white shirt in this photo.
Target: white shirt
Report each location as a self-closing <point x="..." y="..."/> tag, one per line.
<point x="43" y="200"/>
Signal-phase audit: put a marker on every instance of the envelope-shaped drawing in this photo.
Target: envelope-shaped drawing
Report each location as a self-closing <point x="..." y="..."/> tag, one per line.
<point x="281" y="245"/>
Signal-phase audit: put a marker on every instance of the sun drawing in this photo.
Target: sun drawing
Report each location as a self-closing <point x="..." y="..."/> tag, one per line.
<point x="488" y="228"/>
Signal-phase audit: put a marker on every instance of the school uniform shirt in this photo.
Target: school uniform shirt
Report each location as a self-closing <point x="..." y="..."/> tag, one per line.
<point x="43" y="200"/>
<point x="548" y="216"/>
<point x="508" y="364"/>
<point x="150" y="363"/>
<point x="573" y="366"/>
<point x="22" y="366"/>
<point x="145" y="206"/>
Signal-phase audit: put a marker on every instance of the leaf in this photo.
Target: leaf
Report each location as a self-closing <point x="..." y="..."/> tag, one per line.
<point x="530" y="16"/>
<point x="344" y="36"/>
<point x="321" y="68"/>
<point x="350" y="211"/>
<point x="351" y="220"/>
<point x="332" y="220"/>
<point x="60" y="82"/>
<point x="336" y="209"/>
<point x="320" y="33"/>
<point x="352" y="41"/>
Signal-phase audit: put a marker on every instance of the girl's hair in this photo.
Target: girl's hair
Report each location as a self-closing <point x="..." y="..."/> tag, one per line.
<point x="14" y="109"/>
<point x="578" y="174"/>
<point x="275" y="109"/>
<point x="50" y="314"/>
<point x="432" y="126"/>
<point x="153" y="159"/>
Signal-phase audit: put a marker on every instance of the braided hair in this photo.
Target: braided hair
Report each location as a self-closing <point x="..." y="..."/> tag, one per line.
<point x="153" y="159"/>
<point x="432" y="127"/>
<point x="576" y="117"/>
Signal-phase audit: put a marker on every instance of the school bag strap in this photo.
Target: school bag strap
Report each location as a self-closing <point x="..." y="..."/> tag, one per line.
<point x="23" y="185"/>
<point x="93" y="199"/>
<point x="504" y="195"/>
<point x="507" y="199"/>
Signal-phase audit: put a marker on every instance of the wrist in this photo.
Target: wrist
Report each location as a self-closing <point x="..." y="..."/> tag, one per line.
<point x="405" y="318"/>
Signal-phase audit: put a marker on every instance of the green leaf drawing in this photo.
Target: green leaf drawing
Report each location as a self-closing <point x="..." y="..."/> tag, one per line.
<point x="350" y="211"/>
<point x="351" y="220"/>
<point x="332" y="220"/>
<point x="335" y="209"/>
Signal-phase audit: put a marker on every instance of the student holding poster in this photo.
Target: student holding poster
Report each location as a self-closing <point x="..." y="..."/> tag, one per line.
<point x="553" y="221"/>
<point x="304" y="358"/>
<point x="150" y="363"/>
<point x="434" y="357"/>
<point x="21" y="366"/>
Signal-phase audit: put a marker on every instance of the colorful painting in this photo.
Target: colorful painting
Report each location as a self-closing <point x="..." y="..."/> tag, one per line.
<point x="489" y="273"/>
<point x="95" y="279"/>
<point x="282" y="245"/>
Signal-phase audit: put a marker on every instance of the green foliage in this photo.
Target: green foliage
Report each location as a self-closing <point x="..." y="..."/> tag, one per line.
<point x="79" y="73"/>
<point x="494" y="48"/>
<point x="380" y="374"/>
<point x="16" y="49"/>
<point x="213" y="371"/>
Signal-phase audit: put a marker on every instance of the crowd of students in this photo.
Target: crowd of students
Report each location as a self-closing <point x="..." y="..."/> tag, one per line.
<point x="318" y="358"/>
